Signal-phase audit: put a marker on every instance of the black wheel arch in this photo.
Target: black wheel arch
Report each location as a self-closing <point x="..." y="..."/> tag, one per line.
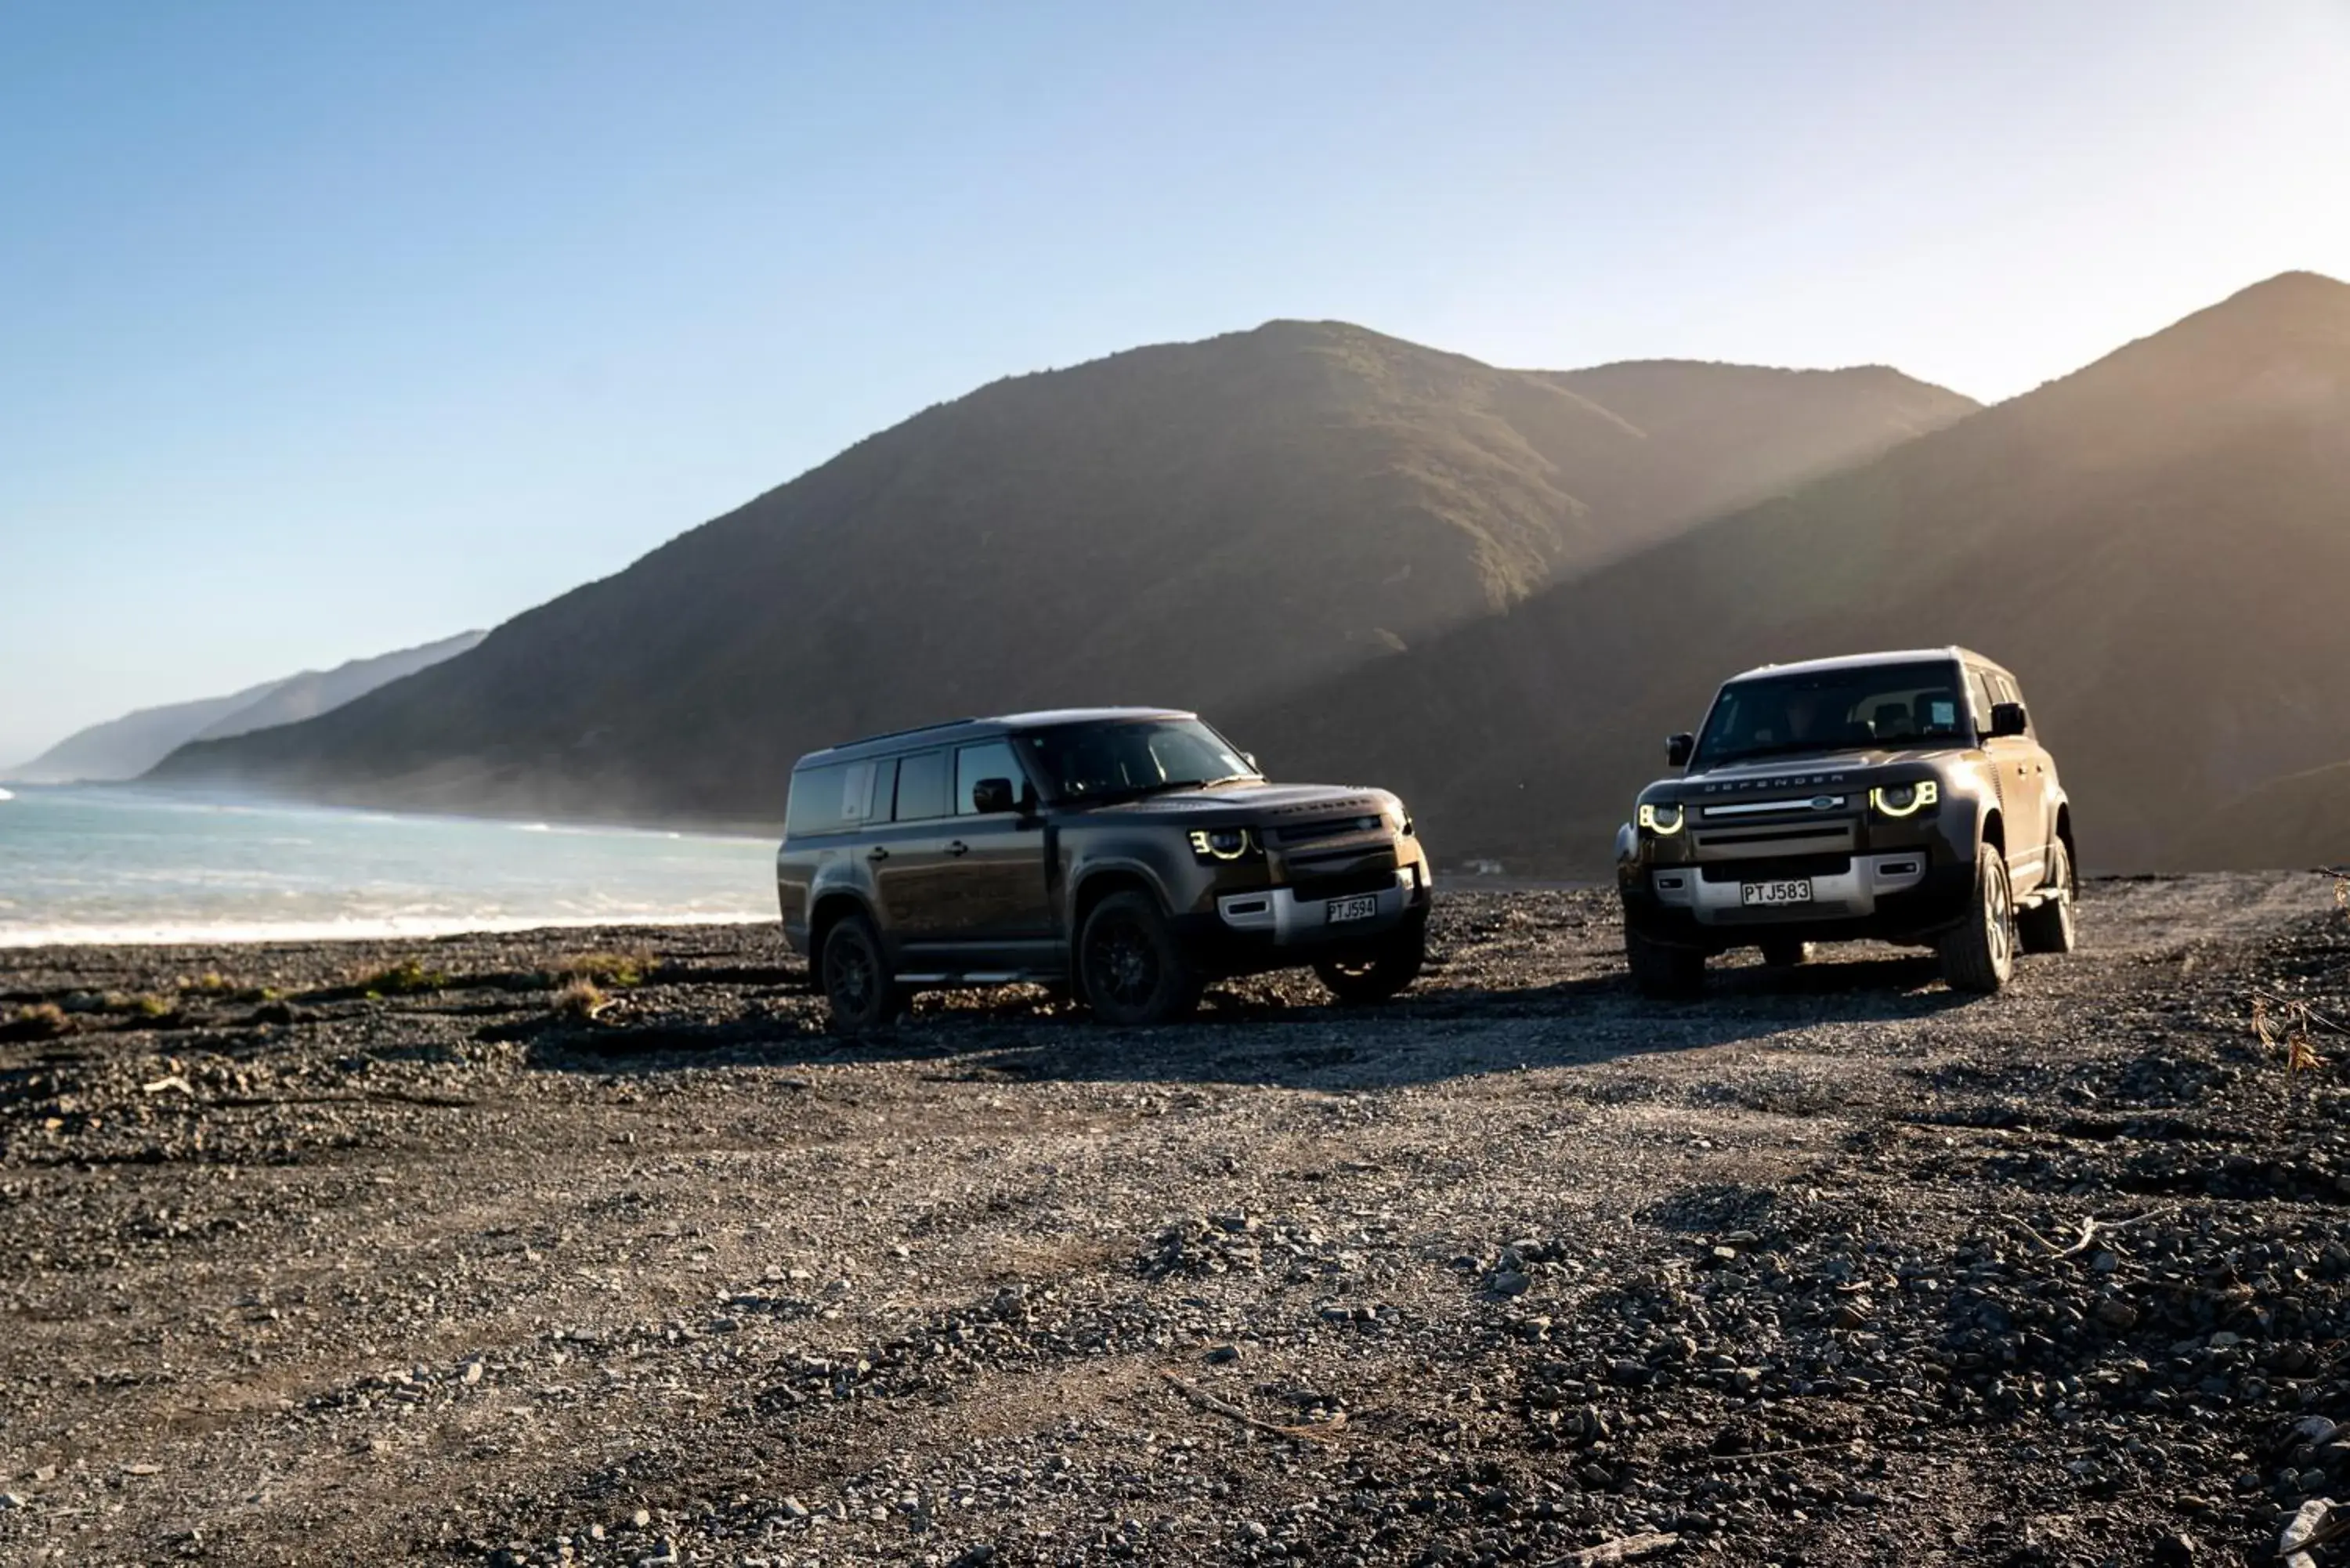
<point x="832" y="906"/>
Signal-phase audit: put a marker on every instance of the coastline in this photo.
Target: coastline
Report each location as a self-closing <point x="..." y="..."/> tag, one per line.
<point x="262" y="934"/>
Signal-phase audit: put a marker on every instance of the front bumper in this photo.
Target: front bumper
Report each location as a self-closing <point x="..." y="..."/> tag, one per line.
<point x="1286" y="917"/>
<point x="1714" y="892"/>
<point x="1277" y="928"/>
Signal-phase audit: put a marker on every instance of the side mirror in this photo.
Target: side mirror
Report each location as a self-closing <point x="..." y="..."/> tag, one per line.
<point x="1678" y="748"/>
<point x="1250" y="758"/>
<point x="2008" y="719"/>
<point x="990" y="797"/>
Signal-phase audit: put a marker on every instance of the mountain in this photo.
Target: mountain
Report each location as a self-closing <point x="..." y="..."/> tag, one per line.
<point x="2157" y="545"/>
<point x="1201" y="524"/>
<point x="316" y="691"/>
<point x="127" y="747"/>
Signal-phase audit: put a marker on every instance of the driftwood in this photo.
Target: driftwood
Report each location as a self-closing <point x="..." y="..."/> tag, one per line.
<point x="1624" y="1548"/>
<point x="1324" y="1433"/>
<point x="2091" y="1229"/>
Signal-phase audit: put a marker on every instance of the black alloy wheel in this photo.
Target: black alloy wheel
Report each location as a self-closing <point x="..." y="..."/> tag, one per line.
<point x="1129" y="965"/>
<point x="857" y="980"/>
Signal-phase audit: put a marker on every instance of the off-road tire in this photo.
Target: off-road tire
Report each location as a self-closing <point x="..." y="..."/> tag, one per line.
<point x="1131" y="968"/>
<point x="2047" y="927"/>
<point x="1377" y="972"/>
<point x="1980" y="954"/>
<point x="855" y="977"/>
<point x="1781" y="953"/>
<point x="1662" y="972"/>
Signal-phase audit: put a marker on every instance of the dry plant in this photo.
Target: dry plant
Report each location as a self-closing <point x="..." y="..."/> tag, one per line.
<point x="2284" y="1023"/>
<point x="2341" y="875"/>
<point x="405" y="978"/>
<point x="137" y="1004"/>
<point x="618" y="970"/>
<point x="580" y="999"/>
<point x="41" y="1021"/>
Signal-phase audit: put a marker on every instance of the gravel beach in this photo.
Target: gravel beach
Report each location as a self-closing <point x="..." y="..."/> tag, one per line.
<point x="594" y="1246"/>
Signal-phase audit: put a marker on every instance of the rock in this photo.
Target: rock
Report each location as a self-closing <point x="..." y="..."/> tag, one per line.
<point x="9" y="1501"/>
<point x="641" y="1517"/>
<point x="1746" y="1379"/>
<point x="796" y="1508"/>
<point x="1219" y="1355"/>
<point x="2175" y="1551"/>
<point x="472" y="1372"/>
<point x="1509" y="1282"/>
<point x="2315" y="1431"/>
<point x="1630" y="1373"/>
<point x="2116" y="1314"/>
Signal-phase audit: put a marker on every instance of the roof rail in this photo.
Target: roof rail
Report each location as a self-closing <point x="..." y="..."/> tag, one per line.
<point x="910" y="730"/>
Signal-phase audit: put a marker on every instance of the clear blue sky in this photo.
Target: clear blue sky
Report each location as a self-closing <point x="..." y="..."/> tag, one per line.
<point x="327" y="328"/>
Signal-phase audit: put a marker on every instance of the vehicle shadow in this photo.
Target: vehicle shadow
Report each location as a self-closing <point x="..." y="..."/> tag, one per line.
<point x="1261" y="1033"/>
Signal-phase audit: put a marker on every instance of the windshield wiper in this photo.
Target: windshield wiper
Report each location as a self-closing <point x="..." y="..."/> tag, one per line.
<point x="1231" y="778"/>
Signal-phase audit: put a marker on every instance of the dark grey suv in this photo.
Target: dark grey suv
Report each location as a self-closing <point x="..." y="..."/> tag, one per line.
<point x="1129" y="854"/>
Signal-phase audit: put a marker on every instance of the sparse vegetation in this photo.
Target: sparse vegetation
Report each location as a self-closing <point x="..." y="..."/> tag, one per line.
<point x="212" y="982"/>
<point x="406" y="978"/>
<point x="580" y="999"/>
<point x="2284" y="1024"/>
<point x="41" y="1021"/>
<point x="617" y="970"/>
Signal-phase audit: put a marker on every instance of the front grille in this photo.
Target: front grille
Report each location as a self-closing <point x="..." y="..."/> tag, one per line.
<point x="1347" y="884"/>
<point x="1765" y="869"/>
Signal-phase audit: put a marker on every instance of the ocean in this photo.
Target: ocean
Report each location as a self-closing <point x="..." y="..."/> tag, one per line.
<point x="100" y="865"/>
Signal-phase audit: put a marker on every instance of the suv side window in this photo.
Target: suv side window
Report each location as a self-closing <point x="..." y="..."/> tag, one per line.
<point x="988" y="760"/>
<point x="834" y="799"/>
<point x="1978" y="691"/>
<point x="2008" y="691"/>
<point x="922" y="786"/>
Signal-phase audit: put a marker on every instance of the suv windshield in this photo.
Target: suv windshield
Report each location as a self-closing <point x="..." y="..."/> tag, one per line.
<point x="1872" y="705"/>
<point x="1129" y="757"/>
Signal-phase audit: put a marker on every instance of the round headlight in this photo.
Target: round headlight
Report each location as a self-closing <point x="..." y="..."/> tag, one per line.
<point x="1904" y="799"/>
<point x="1664" y="821"/>
<point x="1228" y="843"/>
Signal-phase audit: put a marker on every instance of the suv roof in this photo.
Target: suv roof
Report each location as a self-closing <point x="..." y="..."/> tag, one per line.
<point x="1861" y="660"/>
<point x="950" y="732"/>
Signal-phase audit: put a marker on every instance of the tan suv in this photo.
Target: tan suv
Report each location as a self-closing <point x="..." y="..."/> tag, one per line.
<point x="1900" y="796"/>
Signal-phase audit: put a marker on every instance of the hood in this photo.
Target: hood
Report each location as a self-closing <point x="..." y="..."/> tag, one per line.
<point x="1807" y="772"/>
<point x="1258" y="804"/>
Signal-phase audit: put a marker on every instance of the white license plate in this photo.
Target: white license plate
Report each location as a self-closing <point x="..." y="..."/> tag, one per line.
<point x="1788" y="890"/>
<point x="1359" y="908"/>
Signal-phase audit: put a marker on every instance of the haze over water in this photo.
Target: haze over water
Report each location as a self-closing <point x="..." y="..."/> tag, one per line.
<point x="82" y="865"/>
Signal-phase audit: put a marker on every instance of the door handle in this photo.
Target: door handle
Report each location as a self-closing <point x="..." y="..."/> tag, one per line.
<point x="958" y="848"/>
<point x="876" y="852"/>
